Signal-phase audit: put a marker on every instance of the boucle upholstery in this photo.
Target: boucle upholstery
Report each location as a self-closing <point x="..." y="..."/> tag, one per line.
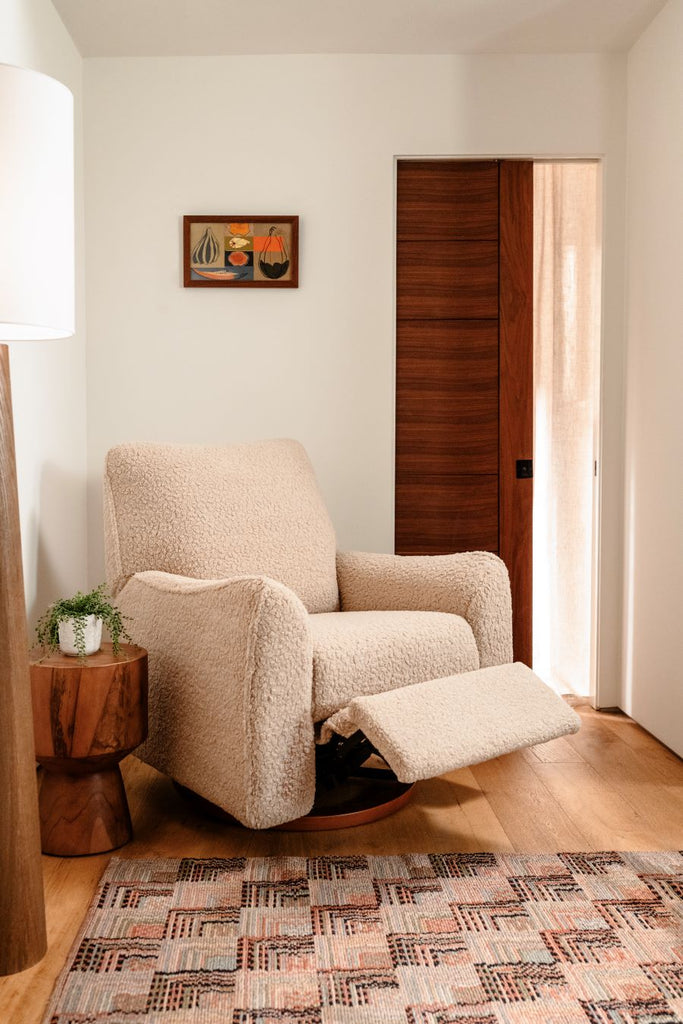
<point x="435" y="727"/>
<point x="474" y="585"/>
<point x="219" y="554"/>
<point x="230" y="697"/>
<point x="215" y="512"/>
<point x="356" y="653"/>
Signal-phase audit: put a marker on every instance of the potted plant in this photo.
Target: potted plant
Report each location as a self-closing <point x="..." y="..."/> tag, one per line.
<point x="74" y="624"/>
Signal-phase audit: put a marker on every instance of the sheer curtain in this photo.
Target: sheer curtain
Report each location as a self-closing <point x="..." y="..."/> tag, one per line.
<point x="567" y="268"/>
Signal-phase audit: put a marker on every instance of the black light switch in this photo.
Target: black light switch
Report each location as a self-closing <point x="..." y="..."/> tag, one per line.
<point x="525" y="469"/>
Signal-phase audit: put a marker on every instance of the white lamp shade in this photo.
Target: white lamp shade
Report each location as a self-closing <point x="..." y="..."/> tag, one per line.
<point x="36" y="207"/>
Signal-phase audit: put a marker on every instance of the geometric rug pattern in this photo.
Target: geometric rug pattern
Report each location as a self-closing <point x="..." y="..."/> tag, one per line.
<point x="459" y="938"/>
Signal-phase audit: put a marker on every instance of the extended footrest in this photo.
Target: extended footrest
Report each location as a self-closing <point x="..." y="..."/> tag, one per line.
<point x="435" y="727"/>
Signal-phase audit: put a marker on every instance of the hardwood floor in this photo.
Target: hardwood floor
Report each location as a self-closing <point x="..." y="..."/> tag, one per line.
<point x="611" y="786"/>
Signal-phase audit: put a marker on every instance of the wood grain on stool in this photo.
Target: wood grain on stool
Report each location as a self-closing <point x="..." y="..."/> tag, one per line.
<point x="87" y="716"/>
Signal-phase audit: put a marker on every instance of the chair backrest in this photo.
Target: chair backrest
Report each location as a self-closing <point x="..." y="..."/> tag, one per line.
<point x="213" y="512"/>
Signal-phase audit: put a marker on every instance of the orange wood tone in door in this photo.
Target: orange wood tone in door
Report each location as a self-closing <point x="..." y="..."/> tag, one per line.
<point x="447" y="397"/>
<point x="463" y="365"/>
<point x="447" y="357"/>
<point x="447" y="280"/>
<point x="456" y="199"/>
<point x="517" y="390"/>
<point x="441" y="513"/>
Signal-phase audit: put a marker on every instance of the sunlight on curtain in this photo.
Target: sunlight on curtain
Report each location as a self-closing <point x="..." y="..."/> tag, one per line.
<point x="567" y="271"/>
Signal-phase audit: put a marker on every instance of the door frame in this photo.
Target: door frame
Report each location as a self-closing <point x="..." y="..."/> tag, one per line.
<point x="599" y="569"/>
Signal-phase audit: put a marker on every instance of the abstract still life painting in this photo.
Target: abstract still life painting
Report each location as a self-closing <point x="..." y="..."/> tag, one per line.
<point x="238" y="251"/>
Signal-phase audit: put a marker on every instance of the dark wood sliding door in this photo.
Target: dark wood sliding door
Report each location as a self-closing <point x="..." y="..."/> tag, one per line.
<point x="464" y="371"/>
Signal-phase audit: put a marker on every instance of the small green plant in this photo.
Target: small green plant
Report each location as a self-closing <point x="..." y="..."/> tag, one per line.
<point x="78" y="607"/>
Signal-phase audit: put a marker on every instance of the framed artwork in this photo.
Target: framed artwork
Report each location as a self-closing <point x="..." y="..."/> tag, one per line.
<point x="240" y="252"/>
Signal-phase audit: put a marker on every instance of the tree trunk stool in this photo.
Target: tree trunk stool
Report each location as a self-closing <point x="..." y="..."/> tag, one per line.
<point x="87" y="715"/>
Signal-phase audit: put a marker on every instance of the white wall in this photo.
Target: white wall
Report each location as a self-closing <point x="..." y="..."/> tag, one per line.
<point x="315" y="136"/>
<point x="48" y="378"/>
<point x="654" y="444"/>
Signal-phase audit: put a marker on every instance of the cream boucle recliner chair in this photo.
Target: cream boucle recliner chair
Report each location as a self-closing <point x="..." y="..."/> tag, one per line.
<point x="257" y="629"/>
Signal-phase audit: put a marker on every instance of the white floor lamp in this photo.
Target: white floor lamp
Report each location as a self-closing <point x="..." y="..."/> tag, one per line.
<point x="36" y="303"/>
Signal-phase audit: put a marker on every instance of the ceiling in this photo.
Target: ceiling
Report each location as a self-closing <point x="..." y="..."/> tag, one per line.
<point x="137" y="28"/>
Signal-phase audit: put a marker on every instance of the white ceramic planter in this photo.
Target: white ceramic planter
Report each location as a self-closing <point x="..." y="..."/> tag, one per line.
<point x="93" y="636"/>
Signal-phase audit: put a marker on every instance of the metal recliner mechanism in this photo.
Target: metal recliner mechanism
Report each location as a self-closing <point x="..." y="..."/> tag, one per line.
<point x="344" y="758"/>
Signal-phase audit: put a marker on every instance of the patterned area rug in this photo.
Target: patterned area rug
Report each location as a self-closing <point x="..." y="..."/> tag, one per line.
<point x="472" y="938"/>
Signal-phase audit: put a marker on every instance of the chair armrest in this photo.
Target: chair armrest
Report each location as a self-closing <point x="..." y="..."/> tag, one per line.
<point x="230" y="665"/>
<point x="474" y="585"/>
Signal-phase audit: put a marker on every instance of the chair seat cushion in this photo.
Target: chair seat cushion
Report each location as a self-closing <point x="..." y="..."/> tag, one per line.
<point x="358" y="653"/>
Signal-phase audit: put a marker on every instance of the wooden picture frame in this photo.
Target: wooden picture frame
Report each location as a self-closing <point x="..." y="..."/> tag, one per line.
<point x="227" y="251"/>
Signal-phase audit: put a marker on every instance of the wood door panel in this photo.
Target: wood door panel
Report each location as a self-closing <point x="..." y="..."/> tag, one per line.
<point x="447" y="396"/>
<point x="516" y="391"/>
<point x="447" y="280"/>
<point x="437" y="514"/>
<point x="464" y="365"/>
<point x="427" y="447"/>
<point x="447" y="199"/>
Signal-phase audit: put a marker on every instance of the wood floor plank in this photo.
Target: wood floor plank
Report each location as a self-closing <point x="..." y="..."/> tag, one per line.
<point x="532" y="818"/>
<point x="658" y="757"/>
<point x="555" y="751"/>
<point x="603" y="744"/>
<point x="69" y="886"/>
<point x="608" y="821"/>
<point x="639" y="781"/>
<point x="490" y="834"/>
<point x="619" y="789"/>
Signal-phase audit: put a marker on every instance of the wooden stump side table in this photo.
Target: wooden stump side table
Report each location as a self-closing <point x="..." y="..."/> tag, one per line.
<point x="87" y="715"/>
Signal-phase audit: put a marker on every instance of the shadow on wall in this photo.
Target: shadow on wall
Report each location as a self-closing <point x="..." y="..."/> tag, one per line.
<point x="56" y="561"/>
<point x="47" y="585"/>
<point x="95" y="539"/>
